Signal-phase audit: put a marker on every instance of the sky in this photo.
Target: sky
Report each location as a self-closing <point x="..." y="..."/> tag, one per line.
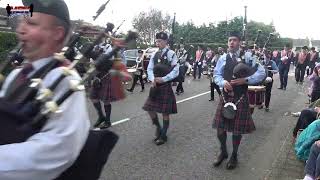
<point x="292" y="18"/>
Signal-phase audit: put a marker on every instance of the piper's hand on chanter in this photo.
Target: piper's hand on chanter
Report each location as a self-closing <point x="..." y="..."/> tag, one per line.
<point x="154" y="84"/>
<point x="158" y="80"/>
<point x="227" y="86"/>
<point x="239" y="81"/>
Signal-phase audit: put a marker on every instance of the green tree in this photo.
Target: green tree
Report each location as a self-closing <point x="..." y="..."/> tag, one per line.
<point x="149" y="23"/>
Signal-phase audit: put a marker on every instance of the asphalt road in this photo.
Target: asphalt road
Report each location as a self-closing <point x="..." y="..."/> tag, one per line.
<point x="192" y="145"/>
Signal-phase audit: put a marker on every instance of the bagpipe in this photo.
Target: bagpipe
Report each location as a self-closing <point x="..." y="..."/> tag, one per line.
<point x="26" y="108"/>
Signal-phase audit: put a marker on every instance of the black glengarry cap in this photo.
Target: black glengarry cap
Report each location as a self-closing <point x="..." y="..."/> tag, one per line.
<point x="162" y="35"/>
<point x="57" y="8"/>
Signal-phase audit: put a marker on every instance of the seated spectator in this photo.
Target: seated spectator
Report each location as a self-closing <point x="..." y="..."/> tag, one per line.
<point x="306" y="117"/>
<point x="305" y="140"/>
<point x="312" y="105"/>
<point x="312" y="168"/>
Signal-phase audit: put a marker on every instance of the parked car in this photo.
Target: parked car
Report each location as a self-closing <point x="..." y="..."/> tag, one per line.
<point x="131" y="56"/>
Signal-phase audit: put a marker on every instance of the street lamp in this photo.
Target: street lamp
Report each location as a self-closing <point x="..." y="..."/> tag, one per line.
<point x="244" y="31"/>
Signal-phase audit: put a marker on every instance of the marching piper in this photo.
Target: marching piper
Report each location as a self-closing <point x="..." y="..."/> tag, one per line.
<point x="106" y="87"/>
<point x="234" y="91"/>
<point x="48" y="153"/>
<point x="162" y="68"/>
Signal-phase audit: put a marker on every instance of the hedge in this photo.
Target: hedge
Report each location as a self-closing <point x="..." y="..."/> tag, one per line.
<point x="8" y="41"/>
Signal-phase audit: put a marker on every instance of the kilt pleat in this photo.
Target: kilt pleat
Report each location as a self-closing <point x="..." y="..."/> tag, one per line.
<point x="242" y="124"/>
<point x="164" y="102"/>
<point x="109" y="90"/>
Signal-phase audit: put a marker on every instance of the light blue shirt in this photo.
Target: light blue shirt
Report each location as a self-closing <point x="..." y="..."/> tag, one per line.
<point x="257" y="77"/>
<point x="46" y="154"/>
<point x="273" y="66"/>
<point x="172" y="57"/>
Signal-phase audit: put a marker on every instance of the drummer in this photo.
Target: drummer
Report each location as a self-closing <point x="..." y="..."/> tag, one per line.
<point x="138" y="75"/>
<point x="272" y="68"/>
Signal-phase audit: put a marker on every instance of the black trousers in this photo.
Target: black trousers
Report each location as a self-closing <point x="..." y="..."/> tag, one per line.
<point x="311" y="67"/>
<point x="283" y="73"/>
<point x="306" y="117"/>
<point x="315" y="95"/>
<point x="268" y="94"/>
<point x="214" y="86"/>
<point x="300" y="72"/>
<point x="195" y="68"/>
<point x="135" y="80"/>
<point x="180" y="87"/>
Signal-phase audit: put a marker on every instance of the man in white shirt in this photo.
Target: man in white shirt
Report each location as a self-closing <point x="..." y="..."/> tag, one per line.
<point x="45" y="155"/>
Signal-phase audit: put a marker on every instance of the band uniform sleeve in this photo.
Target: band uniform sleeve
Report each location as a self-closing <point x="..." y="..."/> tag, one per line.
<point x="7" y="81"/>
<point x="258" y="76"/>
<point x="174" y="63"/>
<point x="48" y="153"/>
<point x="218" y="72"/>
<point x="150" y="68"/>
<point x="275" y="67"/>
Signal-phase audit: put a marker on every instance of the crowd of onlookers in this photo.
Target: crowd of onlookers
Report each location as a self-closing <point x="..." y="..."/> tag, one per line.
<point x="306" y="133"/>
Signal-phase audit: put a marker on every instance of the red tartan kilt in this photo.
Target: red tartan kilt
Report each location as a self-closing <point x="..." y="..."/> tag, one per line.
<point x="242" y="124"/>
<point x="164" y="102"/>
<point x="110" y="91"/>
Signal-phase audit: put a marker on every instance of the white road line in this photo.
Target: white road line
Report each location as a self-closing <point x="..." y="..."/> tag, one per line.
<point x="121" y="121"/>
<point x="192" y="97"/>
<point x="178" y="102"/>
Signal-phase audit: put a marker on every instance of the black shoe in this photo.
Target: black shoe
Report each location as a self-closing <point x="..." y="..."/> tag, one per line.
<point x="99" y="121"/>
<point x="267" y="109"/>
<point x="260" y="107"/>
<point x="280" y="87"/>
<point x="232" y="163"/>
<point x="211" y="99"/>
<point x="160" y="140"/>
<point x="142" y="90"/>
<point x="157" y="133"/>
<point x="105" y="125"/>
<point x="130" y="90"/>
<point x="220" y="159"/>
<point x="177" y="93"/>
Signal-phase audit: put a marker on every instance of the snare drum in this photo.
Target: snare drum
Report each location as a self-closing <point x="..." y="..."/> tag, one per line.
<point x="256" y="95"/>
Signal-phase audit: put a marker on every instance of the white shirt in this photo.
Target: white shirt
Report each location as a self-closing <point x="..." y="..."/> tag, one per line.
<point x="47" y="154"/>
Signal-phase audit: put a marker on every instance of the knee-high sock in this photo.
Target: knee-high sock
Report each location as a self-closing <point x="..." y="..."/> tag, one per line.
<point x="165" y="127"/>
<point x="236" y="139"/>
<point x="155" y="121"/>
<point x="107" y="109"/>
<point x="222" y="136"/>
<point x="97" y="106"/>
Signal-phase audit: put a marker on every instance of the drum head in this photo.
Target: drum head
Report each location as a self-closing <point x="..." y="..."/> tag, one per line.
<point x="256" y="88"/>
<point x="132" y="70"/>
